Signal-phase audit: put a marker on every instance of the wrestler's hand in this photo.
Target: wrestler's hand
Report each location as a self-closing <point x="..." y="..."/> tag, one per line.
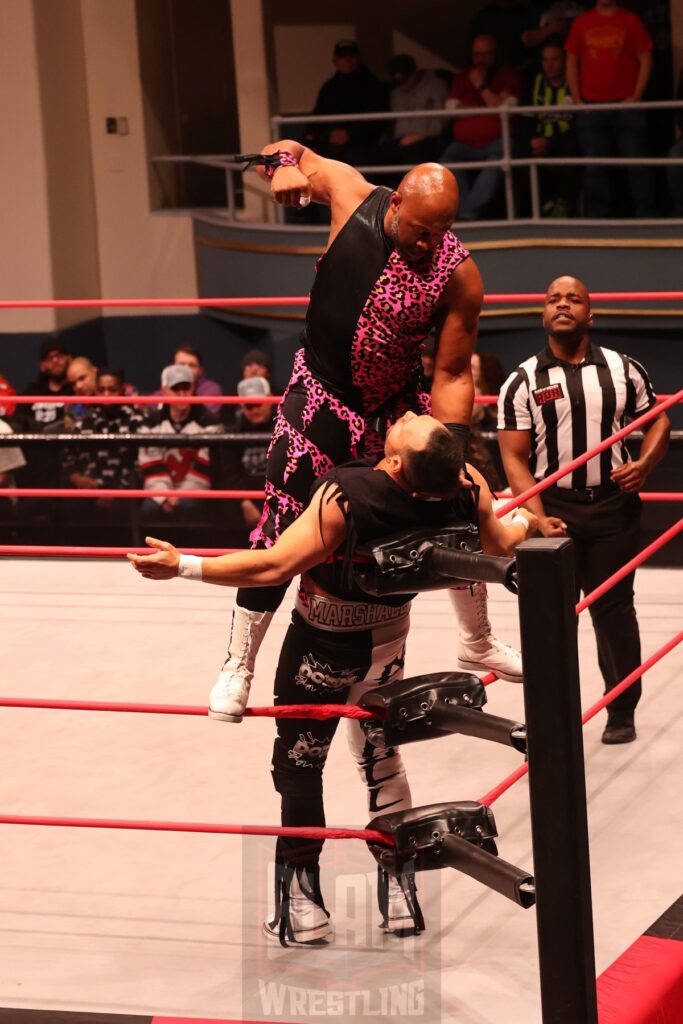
<point x="289" y="186"/>
<point x="631" y="476"/>
<point x="551" y="526"/>
<point x="161" y="565"/>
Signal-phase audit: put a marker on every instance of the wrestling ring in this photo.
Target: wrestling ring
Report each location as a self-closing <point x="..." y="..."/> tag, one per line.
<point x="104" y="914"/>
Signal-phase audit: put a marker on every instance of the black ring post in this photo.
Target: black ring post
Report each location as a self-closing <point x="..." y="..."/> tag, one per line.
<point x="557" y="784"/>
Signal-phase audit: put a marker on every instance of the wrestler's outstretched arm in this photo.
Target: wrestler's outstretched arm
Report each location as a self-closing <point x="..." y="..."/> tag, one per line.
<point x="307" y="542"/>
<point x="496" y="538"/>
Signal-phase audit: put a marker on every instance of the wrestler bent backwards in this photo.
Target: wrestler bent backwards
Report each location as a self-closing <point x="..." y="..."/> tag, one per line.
<point x="392" y="269"/>
<point x="341" y="641"/>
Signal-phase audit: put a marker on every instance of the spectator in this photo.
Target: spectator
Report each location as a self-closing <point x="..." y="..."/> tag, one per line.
<point x="552" y="134"/>
<point x="507" y="21"/>
<point x="7" y="408"/>
<point x="43" y="468"/>
<point x="107" y="465"/>
<point x="82" y="376"/>
<point x="487" y="84"/>
<point x="488" y="376"/>
<point x="10" y="458"/>
<point x="52" y="380"/>
<point x="353" y="89"/>
<point x="556" y="20"/>
<point x="256" y="363"/>
<point x="414" y="140"/>
<point x="675" y="174"/>
<point x="168" y="468"/>
<point x="245" y="465"/>
<point x="609" y="59"/>
<point x="186" y="355"/>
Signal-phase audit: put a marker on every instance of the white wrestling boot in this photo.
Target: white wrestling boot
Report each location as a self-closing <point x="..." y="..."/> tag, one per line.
<point x="400" y="910"/>
<point x="479" y="650"/>
<point x="230" y="695"/>
<point x="300" y="916"/>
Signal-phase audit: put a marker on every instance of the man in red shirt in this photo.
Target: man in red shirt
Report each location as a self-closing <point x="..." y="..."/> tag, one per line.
<point x="609" y="59"/>
<point x="486" y="84"/>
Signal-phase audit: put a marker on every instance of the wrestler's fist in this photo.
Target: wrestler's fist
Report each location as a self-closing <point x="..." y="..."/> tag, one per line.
<point x="161" y="564"/>
<point x="290" y="187"/>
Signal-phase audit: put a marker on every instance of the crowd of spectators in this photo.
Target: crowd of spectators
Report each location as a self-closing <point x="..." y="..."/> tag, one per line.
<point x="177" y="446"/>
<point x="166" y="452"/>
<point x="533" y="53"/>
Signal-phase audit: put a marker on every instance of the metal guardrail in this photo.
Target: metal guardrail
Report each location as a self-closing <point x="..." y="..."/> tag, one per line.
<point x="507" y="162"/>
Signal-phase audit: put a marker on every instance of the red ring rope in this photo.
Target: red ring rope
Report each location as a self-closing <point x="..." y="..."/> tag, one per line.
<point x="295" y="832"/>
<point x="641" y="557"/>
<point x="184" y="399"/>
<point x="110" y="492"/>
<point x="587" y="456"/>
<point x="302" y="300"/>
<point x="520" y="772"/>
<point x="318" y="711"/>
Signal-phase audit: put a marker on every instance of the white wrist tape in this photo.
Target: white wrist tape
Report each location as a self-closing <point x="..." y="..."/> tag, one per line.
<point x="522" y="520"/>
<point x="190" y="567"/>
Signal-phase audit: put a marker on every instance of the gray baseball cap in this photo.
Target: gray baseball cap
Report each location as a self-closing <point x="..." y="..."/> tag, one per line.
<point x="176" y="374"/>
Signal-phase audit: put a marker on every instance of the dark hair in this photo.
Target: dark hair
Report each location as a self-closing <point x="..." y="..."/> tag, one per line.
<point x="556" y="41"/>
<point x="434" y="469"/>
<point x="401" y="67"/>
<point x="107" y="371"/>
<point x="190" y="351"/>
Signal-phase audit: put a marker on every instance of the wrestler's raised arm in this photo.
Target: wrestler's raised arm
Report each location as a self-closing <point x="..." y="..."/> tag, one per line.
<point x="313" y="177"/>
<point x="308" y="541"/>
<point x="496" y="538"/>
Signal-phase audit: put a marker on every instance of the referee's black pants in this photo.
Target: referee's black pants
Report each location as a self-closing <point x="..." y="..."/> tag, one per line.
<point x="606" y="535"/>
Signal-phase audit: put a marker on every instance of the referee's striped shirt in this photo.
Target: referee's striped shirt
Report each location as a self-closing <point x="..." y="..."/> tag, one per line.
<point x="571" y="408"/>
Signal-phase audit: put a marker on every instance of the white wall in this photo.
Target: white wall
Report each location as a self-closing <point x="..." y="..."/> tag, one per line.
<point x="141" y="254"/>
<point x="74" y="202"/>
<point x="25" y="266"/>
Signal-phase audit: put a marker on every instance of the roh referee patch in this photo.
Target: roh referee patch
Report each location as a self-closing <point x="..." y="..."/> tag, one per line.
<point x="549" y="394"/>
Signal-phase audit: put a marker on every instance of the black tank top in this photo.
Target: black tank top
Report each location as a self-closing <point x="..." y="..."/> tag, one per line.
<point x="370" y="310"/>
<point x="375" y="507"/>
<point x="345" y="276"/>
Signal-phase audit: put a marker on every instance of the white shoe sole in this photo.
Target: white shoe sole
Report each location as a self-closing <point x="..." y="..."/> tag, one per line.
<point x="221" y="716"/>
<point x="477" y="666"/>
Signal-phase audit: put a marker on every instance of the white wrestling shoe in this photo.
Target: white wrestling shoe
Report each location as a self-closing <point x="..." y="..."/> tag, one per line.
<point x="479" y="650"/>
<point x="300" y="915"/>
<point x="230" y="695"/>
<point x="400" y="910"/>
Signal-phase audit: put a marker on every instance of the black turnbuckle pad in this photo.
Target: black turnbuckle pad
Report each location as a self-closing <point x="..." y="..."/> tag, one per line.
<point x="414" y="561"/>
<point x="457" y="835"/>
<point x="436" y="704"/>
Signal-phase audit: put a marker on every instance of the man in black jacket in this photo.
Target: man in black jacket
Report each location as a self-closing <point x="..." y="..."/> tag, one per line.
<point x="353" y="89"/>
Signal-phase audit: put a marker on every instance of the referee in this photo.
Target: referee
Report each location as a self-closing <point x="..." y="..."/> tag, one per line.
<point x="555" y="406"/>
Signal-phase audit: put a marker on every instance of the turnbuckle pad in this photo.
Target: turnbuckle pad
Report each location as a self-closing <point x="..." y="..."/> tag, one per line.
<point x="402" y="562"/>
<point x="459" y="835"/>
<point x="433" y="705"/>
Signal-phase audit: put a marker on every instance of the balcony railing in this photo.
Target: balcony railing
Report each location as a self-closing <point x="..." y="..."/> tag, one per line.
<point x="508" y="162"/>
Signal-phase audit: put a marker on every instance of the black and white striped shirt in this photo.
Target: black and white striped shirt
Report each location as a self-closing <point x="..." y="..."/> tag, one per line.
<point x="571" y="408"/>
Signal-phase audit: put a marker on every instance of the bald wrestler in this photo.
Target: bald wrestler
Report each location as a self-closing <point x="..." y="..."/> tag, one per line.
<point x="391" y="270"/>
<point x="342" y="642"/>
